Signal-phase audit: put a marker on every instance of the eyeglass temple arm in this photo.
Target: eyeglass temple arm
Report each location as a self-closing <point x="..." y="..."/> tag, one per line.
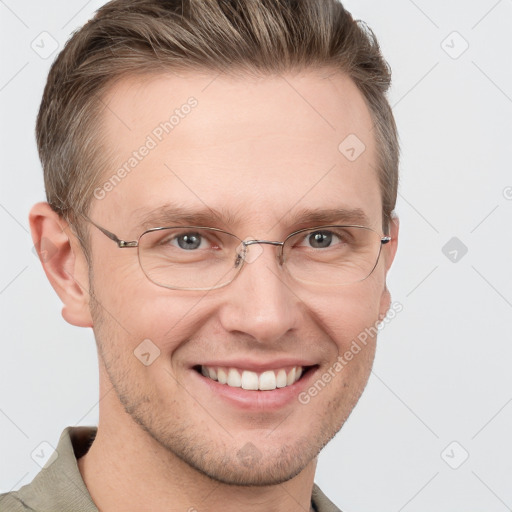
<point x="120" y="243"/>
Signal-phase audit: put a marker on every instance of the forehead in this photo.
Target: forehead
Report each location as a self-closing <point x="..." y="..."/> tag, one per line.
<point x="258" y="149"/>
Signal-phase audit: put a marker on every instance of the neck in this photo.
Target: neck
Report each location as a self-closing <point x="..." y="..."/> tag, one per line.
<point x="126" y="469"/>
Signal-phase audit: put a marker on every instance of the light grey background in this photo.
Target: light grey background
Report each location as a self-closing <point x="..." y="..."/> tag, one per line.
<point x="442" y="371"/>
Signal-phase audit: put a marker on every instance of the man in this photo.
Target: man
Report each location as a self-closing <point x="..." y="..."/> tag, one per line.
<point x="221" y="177"/>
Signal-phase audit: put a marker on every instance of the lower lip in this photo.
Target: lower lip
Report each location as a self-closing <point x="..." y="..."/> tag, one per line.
<point x="271" y="400"/>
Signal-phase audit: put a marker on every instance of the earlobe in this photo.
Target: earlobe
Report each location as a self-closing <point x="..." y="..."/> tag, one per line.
<point x="385" y="303"/>
<point x="63" y="262"/>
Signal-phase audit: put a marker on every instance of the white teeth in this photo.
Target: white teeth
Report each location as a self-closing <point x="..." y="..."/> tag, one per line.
<point x="290" y="379"/>
<point x="281" y="379"/>
<point x="268" y="381"/>
<point x="234" y="379"/>
<point x="222" y="376"/>
<point x="249" y="380"/>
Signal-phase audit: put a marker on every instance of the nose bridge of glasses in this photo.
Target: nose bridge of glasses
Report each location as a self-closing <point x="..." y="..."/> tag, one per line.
<point x="250" y="257"/>
<point x="252" y="242"/>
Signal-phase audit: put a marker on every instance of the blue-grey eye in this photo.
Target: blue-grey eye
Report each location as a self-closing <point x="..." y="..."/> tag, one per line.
<point x="320" y="239"/>
<point x="189" y="241"/>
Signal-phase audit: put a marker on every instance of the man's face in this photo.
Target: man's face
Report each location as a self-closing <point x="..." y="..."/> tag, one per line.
<point x="259" y="152"/>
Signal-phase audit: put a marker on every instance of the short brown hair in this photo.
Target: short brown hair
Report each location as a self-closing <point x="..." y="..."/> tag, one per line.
<point x="128" y="37"/>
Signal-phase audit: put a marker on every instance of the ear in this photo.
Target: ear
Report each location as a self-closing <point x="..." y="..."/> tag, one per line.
<point x="388" y="255"/>
<point x="63" y="261"/>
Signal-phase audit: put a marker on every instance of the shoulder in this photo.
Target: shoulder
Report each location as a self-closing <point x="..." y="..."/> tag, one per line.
<point x="11" y="502"/>
<point x="59" y="485"/>
<point x="321" y="502"/>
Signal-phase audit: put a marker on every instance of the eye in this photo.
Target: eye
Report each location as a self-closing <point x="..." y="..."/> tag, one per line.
<point x="321" y="239"/>
<point x="189" y="241"/>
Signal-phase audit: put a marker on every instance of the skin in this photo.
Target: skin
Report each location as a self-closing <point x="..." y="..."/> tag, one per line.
<point x="254" y="146"/>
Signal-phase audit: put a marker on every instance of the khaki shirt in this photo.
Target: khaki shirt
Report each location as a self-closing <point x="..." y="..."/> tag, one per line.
<point x="59" y="487"/>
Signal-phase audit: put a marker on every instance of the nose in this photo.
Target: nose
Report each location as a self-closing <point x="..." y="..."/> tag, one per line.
<point x="260" y="302"/>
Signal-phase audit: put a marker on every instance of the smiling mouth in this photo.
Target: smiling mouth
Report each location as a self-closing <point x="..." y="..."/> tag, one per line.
<point x="254" y="381"/>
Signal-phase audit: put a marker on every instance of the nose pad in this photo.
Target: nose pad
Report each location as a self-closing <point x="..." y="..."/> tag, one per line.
<point x="247" y="253"/>
<point x="241" y="252"/>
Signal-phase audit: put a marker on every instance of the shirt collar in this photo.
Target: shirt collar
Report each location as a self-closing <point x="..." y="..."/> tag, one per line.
<point x="59" y="485"/>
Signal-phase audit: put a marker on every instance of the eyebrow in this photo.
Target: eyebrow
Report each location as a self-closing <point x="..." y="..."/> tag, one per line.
<point x="332" y="216"/>
<point x="170" y="214"/>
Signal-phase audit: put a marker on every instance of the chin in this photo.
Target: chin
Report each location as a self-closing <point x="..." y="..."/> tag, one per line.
<point x="248" y="466"/>
<point x="232" y="461"/>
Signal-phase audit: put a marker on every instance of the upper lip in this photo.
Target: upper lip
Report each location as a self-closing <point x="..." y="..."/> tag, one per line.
<point x="257" y="366"/>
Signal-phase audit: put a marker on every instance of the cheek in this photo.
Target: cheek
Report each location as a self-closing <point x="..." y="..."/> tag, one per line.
<point x="346" y="313"/>
<point x="134" y="309"/>
<point x="123" y="290"/>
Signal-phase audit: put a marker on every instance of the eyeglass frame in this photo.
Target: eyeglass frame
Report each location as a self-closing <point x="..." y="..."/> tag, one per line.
<point x="123" y="244"/>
